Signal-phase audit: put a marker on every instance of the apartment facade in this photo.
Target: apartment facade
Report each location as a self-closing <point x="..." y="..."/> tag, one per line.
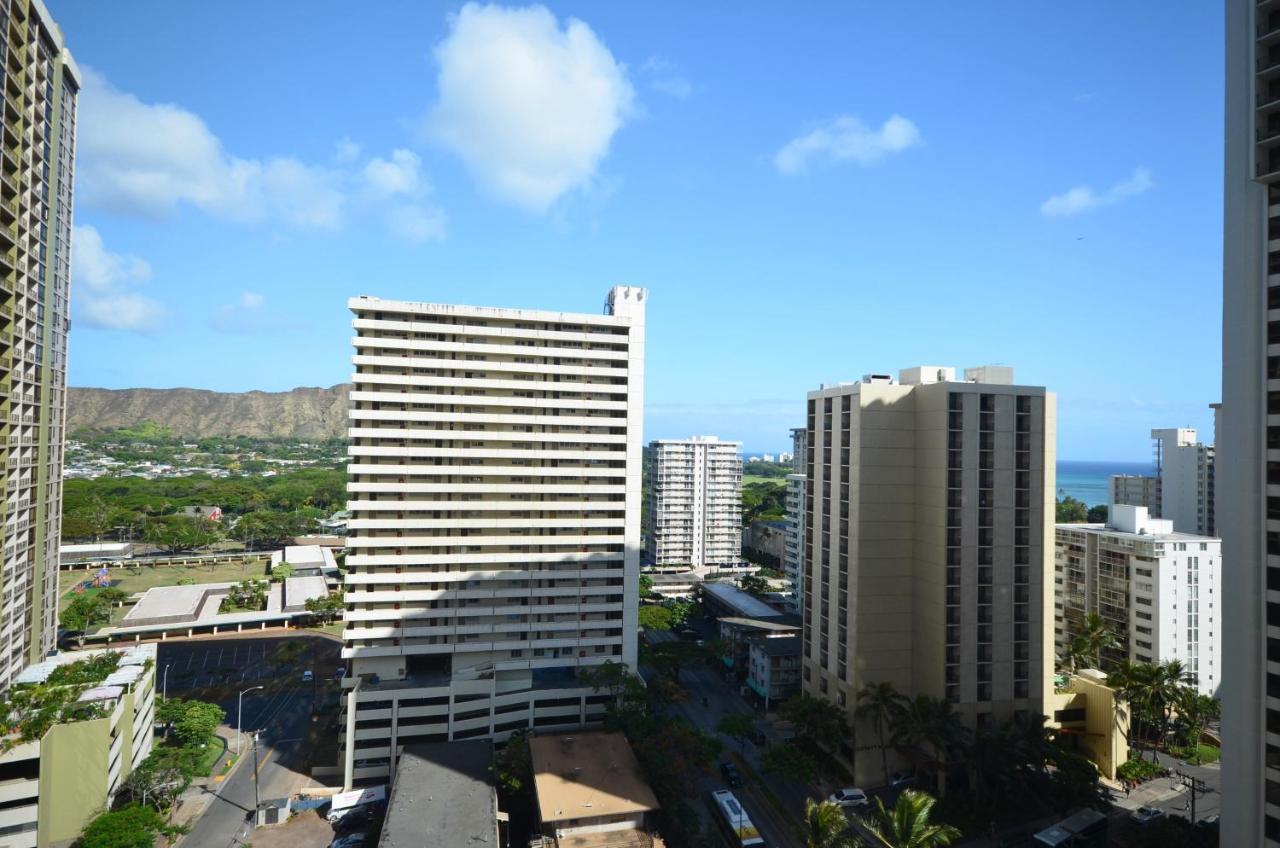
<point x="1185" y="467"/>
<point x="494" y="531"/>
<point x="695" y="503"/>
<point x="793" y="557"/>
<point x="1157" y="590"/>
<point x="41" y="84"/>
<point x="1136" y="490"/>
<point x="1248" y="432"/>
<point x="51" y="786"/>
<point x="929" y="549"/>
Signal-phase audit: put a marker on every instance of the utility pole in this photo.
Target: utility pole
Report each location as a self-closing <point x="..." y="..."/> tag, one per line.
<point x="1196" y="786"/>
<point x="257" y="803"/>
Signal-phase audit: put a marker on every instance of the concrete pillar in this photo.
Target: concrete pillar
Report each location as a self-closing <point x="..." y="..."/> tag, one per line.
<point x="349" y="755"/>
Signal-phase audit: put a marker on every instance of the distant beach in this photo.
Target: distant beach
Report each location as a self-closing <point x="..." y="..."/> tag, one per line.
<point x="1090" y="481"/>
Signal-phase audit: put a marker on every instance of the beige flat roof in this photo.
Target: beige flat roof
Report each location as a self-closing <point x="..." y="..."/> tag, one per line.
<point x="582" y="775"/>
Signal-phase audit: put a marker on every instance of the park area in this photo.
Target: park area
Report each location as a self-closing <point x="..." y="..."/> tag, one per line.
<point x="134" y="578"/>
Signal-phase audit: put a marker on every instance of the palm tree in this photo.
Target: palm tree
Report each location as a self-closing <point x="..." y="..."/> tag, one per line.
<point x="1195" y="711"/>
<point x="907" y="825"/>
<point x="880" y="703"/>
<point x="1168" y="682"/>
<point x="931" y="728"/>
<point x="826" y="827"/>
<point x="1095" y="637"/>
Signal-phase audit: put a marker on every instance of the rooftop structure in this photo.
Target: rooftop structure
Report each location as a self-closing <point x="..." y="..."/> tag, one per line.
<point x="307" y="559"/>
<point x="443" y="794"/>
<point x="186" y="610"/>
<point x="589" y="788"/>
<point x="727" y="599"/>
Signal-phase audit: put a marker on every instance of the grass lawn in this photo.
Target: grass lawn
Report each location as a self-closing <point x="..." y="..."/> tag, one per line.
<point x="752" y="478"/>
<point x="333" y="628"/>
<point x="210" y="753"/>
<point x="131" y="579"/>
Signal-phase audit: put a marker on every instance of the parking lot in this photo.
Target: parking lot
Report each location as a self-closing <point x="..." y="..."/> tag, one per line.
<point x="198" y="664"/>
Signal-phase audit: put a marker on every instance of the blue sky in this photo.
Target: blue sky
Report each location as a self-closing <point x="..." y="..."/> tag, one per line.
<point x="810" y="192"/>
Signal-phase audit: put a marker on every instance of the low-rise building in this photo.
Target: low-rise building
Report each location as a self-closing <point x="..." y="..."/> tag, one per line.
<point x="443" y="794"/>
<point x="1083" y="709"/>
<point x="738" y="632"/>
<point x="590" y="792"/>
<point x="175" y="611"/>
<point x="725" y="599"/>
<point x="773" y="668"/>
<point x="86" y="720"/>
<point x="1157" y="590"/>
<point x="307" y="560"/>
<point x="767" y="539"/>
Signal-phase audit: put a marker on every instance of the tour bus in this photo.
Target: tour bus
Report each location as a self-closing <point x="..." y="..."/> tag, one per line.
<point x="1085" y="829"/>
<point x="734" y="823"/>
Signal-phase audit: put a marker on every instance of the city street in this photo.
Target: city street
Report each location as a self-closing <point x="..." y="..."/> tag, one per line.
<point x="703" y="682"/>
<point x="283" y="764"/>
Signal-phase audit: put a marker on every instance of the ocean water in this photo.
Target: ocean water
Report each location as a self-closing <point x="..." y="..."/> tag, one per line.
<point x="1090" y="481"/>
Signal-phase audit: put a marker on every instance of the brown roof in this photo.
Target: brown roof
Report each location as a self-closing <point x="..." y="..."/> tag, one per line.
<point x="581" y="775"/>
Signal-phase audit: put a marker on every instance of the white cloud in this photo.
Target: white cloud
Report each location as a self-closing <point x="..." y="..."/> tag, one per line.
<point x="416" y="223"/>
<point x="664" y="78"/>
<point x="530" y="107"/>
<point x="847" y="139"/>
<point x="398" y="175"/>
<point x="1083" y="199"/>
<point x="150" y="159"/>
<point x="101" y="285"/>
<point x="251" y="300"/>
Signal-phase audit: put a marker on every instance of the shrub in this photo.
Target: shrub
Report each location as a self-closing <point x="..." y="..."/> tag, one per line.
<point x="1139" y="770"/>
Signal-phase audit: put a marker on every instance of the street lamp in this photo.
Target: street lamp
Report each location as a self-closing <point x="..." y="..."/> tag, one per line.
<point x="240" y="714"/>
<point x="165" y="694"/>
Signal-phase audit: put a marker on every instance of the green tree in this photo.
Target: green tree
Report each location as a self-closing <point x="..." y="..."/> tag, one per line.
<point x="931" y="730"/>
<point x="1195" y="711"/>
<point x="1095" y="637"/>
<point x="879" y="703"/>
<point x="1098" y="514"/>
<point x="130" y="827"/>
<point x="1071" y="511"/>
<point x="512" y="766"/>
<point x="753" y="584"/>
<point x="791" y="762"/>
<point x="737" y="726"/>
<point x="668" y="658"/>
<point x="819" y="722"/>
<point x="646" y="586"/>
<point x="174" y="534"/>
<point x="281" y="571"/>
<point x="655" y="617"/>
<point x="907" y="824"/>
<point x="198" y="722"/>
<point x="327" y="607"/>
<point x="82" y="614"/>
<point x="825" y="826"/>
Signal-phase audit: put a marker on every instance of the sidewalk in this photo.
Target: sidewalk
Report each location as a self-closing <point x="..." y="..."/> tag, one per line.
<point x="200" y="794"/>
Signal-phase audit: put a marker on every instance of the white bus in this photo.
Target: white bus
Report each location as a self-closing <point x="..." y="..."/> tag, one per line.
<point x="733" y="820"/>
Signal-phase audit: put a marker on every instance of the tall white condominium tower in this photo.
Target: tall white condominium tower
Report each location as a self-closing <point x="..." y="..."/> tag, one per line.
<point x="1159" y="591"/>
<point x="695" y="503"/>
<point x="495" y="519"/>
<point x="929" y="553"/>
<point x="1248" y="434"/>
<point x="793" y="553"/>
<point x="1185" y="467"/>
<point x="41" y="87"/>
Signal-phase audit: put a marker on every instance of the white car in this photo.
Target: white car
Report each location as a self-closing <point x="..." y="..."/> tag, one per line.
<point x="307" y="676"/>
<point x="1142" y="815"/>
<point x="850" y="798"/>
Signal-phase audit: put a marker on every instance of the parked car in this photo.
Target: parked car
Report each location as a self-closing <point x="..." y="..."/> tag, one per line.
<point x="1143" y="815"/>
<point x="1209" y="823"/>
<point x="901" y="778"/>
<point x="757" y="737"/>
<point x="849" y="797"/>
<point x="689" y="633"/>
<point x="731" y="775"/>
<point x="340" y="673"/>
<point x="349" y="840"/>
<point x="307" y="676"/>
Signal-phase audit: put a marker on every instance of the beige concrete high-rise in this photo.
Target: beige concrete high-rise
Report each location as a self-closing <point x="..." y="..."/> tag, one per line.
<point x="495" y="520"/>
<point x="41" y="85"/>
<point x="929" y="550"/>
<point x="1247" y="512"/>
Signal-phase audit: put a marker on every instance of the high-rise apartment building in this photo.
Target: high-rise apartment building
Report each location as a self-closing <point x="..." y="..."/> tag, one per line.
<point x="1181" y="490"/>
<point x="41" y="84"/>
<point x="793" y="556"/>
<point x="929" y="547"/>
<point x="1157" y="590"/>
<point x="695" y="503"/>
<point x="494" y="533"/>
<point x="1248" y="439"/>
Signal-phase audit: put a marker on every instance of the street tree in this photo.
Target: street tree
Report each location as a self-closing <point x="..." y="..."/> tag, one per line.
<point x="790" y="762"/>
<point x="655" y="617"/>
<point x="82" y="614"/>
<point x="513" y="765"/>
<point x="879" y="703"/>
<point x="327" y="607"/>
<point x="198" y="722"/>
<point x="819" y="722"/>
<point x="738" y="726"/>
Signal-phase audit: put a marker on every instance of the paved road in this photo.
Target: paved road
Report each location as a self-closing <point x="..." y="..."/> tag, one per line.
<point x="200" y="663"/>
<point x="283" y="719"/>
<point x="721" y="698"/>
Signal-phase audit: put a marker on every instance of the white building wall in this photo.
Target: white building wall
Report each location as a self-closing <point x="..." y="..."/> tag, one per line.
<point x="494" y="532"/>
<point x="695" y="503"/>
<point x="1186" y="480"/>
